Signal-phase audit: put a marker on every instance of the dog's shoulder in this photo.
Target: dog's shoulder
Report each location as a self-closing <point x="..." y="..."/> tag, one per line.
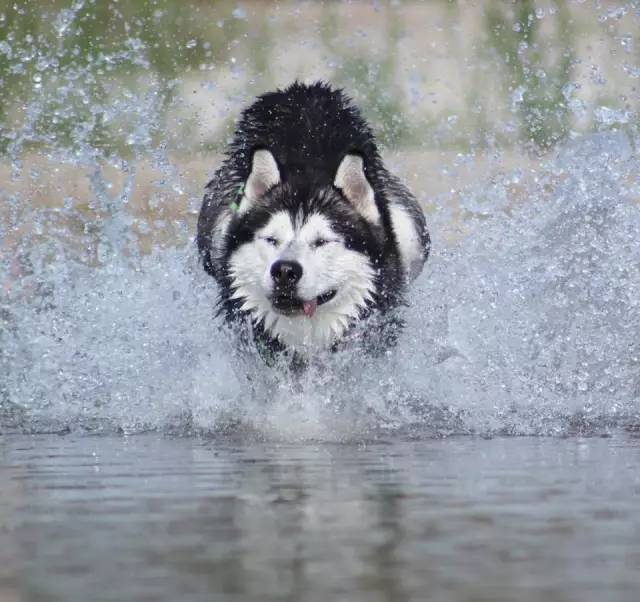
<point x="409" y="226"/>
<point x="221" y="195"/>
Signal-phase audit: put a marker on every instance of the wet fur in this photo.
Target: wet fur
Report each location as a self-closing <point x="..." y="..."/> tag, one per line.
<point x="309" y="130"/>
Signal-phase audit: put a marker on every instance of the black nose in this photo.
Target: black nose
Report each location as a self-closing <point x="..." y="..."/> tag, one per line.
<point x="286" y="273"/>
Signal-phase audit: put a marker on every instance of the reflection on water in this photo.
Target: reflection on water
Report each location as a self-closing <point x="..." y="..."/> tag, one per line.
<point x="147" y="518"/>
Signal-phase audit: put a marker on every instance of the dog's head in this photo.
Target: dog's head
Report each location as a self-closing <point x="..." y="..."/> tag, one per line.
<point x="302" y="260"/>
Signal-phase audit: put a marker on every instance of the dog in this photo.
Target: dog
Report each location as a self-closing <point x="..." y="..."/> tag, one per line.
<point x="304" y="229"/>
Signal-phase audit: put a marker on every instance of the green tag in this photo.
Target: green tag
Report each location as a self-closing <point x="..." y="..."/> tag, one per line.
<point x="235" y="205"/>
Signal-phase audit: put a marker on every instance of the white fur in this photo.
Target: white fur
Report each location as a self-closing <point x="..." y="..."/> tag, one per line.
<point x="219" y="234"/>
<point x="328" y="267"/>
<point x="409" y="240"/>
<point x="351" y="180"/>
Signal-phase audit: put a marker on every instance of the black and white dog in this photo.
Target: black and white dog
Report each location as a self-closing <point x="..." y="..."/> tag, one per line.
<point x="302" y="226"/>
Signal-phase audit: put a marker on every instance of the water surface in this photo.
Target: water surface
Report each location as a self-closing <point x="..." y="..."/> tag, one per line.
<point x="463" y="518"/>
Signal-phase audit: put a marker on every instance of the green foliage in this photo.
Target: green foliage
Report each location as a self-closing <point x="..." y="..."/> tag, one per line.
<point x="78" y="63"/>
<point x="531" y="69"/>
<point x="372" y="78"/>
<point x="377" y="96"/>
<point x="103" y="76"/>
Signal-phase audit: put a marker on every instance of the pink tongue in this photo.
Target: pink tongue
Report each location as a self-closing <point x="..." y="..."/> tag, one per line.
<point x="309" y="308"/>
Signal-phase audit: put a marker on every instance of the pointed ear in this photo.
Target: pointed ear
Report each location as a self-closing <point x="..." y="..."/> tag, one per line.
<point x="351" y="180"/>
<point x="264" y="175"/>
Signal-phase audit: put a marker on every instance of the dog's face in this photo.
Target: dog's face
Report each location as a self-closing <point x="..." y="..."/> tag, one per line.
<point x="303" y="262"/>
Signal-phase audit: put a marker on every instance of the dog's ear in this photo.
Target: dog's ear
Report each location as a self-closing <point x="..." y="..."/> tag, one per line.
<point x="264" y="175"/>
<point x="351" y="180"/>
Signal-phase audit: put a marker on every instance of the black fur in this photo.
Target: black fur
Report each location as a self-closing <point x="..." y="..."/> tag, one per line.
<point x="309" y="129"/>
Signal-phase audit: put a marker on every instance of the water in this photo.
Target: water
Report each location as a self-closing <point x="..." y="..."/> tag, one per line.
<point x="528" y="324"/>
<point x="464" y="519"/>
<point x="525" y="320"/>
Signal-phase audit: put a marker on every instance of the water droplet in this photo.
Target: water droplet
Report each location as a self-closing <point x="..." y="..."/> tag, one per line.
<point x="63" y="21"/>
<point x="239" y="13"/>
<point x="608" y="116"/>
<point x="631" y="71"/>
<point x="5" y="49"/>
<point x="517" y="96"/>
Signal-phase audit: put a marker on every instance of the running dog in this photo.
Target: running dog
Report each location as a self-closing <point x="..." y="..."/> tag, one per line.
<point x="304" y="229"/>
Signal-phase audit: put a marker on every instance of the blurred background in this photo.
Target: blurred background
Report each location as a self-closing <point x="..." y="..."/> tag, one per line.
<point x="124" y="106"/>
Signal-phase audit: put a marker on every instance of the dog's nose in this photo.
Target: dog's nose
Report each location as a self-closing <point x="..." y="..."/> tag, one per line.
<point x="286" y="273"/>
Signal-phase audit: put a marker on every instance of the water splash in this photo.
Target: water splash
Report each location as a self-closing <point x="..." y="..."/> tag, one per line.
<point x="527" y="325"/>
<point x="539" y="313"/>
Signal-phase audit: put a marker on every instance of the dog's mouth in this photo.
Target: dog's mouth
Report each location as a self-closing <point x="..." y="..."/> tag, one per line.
<point x="291" y="306"/>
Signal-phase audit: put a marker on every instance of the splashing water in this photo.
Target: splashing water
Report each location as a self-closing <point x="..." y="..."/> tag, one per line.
<point x="537" y="313"/>
<point x="527" y="325"/>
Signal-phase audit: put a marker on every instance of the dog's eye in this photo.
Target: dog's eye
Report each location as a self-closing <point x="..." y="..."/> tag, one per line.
<point x="320" y="242"/>
<point x="272" y="241"/>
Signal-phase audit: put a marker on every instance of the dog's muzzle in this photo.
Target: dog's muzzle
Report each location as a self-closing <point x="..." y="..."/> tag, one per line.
<point x="286" y="275"/>
<point x="290" y="304"/>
